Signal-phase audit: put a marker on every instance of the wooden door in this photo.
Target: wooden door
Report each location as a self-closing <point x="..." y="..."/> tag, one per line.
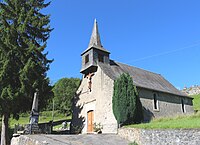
<point x="90" y="116"/>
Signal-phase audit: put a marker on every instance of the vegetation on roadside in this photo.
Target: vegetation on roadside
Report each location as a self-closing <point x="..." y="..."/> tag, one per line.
<point x="179" y="122"/>
<point x="196" y="102"/>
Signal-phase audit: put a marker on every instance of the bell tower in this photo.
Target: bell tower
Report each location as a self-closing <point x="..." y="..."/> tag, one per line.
<point x="94" y="54"/>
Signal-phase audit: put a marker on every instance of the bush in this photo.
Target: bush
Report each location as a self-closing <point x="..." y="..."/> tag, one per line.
<point x="98" y="127"/>
<point x="127" y="107"/>
<point x="76" y="129"/>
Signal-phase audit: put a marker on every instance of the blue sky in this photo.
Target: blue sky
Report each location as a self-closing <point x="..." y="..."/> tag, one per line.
<point x="162" y="36"/>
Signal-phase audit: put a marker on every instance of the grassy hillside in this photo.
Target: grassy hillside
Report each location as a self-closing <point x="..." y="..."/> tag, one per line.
<point x="196" y="102"/>
<point x="45" y="116"/>
<point x="185" y="122"/>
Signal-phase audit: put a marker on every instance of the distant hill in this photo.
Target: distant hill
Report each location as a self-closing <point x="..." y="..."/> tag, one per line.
<point x="193" y="90"/>
<point x="196" y="102"/>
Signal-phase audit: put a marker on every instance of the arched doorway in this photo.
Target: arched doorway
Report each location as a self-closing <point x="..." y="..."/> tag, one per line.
<point x="90" y="121"/>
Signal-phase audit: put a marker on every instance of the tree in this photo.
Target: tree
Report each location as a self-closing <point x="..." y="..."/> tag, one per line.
<point x="127" y="107"/>
<point x="24" y="31"/>
<point x="64" y="90"/>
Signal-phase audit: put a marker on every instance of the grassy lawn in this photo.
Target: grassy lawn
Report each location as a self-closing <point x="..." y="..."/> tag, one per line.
<point x="45" y="116"/>
<point x="184" y="122"/>
<point x="196" y="102"/>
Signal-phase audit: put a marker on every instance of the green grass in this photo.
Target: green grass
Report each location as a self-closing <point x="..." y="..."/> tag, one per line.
<point x="45" y="116"/>
<point x="133" y="143"/>
<point x="180" y="122"/>
<point x="57" y="127"/>
<point x="184" y="122"/>
<point x="196" y="102"/>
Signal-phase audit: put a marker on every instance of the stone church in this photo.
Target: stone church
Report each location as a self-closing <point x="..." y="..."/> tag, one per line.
<point x="93" y="101"/>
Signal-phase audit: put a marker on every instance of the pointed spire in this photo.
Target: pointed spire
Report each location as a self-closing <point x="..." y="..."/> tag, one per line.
<point x="95" y="37"/>
<point x="95" y="41"/>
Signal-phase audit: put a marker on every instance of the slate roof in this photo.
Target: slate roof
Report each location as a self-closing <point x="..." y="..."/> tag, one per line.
<point x="141" y="78"/>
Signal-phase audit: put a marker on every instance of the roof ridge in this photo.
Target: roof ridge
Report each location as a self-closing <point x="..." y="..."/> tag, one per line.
<point x="141" y="78"/>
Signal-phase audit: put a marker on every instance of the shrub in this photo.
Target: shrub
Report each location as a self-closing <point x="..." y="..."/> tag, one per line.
<point x="98" y="127"/>
<point x="127" y="107"/>
<point x="76" y="129"/>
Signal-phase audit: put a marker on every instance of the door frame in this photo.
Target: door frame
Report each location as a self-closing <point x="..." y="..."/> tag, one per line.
<point x="92" y="121"/>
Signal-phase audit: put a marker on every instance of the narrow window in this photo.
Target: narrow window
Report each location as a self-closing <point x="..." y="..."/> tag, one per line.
<point x="100" y="58"/>
<point x="155" y="102"/>
<point x="87" y="58"/>
<point x="182" y="106"/>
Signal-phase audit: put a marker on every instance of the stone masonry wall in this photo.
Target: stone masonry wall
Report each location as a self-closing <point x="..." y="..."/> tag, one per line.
<point x="168" y="104"/>
<point x="161" y="136"/>
<point x="106" y="117"/>
<point x="99" y="99"/>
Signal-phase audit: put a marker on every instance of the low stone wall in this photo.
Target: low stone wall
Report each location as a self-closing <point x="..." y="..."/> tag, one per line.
<point x="161" y="136"/>
<point x="25" y="140"/>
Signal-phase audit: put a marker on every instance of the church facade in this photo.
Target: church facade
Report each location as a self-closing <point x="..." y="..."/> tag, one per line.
<point x="93" y="101"/>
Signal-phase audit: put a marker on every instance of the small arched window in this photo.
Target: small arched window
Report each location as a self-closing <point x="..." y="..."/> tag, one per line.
<point x="155" y="102"/>
<point x="100" y="58"/>
<point x="183" y="106"/>
<point x="87" y="58"/>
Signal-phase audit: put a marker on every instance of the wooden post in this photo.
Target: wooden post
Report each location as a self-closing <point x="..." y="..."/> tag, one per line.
<point x="53" y="111"/>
